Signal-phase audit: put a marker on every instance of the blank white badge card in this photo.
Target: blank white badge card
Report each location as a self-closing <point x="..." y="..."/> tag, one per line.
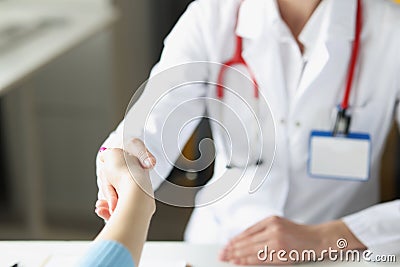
<point x="339" y="157"/>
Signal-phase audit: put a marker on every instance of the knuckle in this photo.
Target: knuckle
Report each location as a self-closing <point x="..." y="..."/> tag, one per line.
<point x="137" y="142"/>
<point x="275" y="219"/>
<point x="237" y="254"/>
<point x="277" y="229"/>
<point x="141" y="155"/>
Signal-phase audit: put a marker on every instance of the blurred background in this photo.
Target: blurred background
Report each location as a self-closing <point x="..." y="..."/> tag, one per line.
<point x="67" y="71"/>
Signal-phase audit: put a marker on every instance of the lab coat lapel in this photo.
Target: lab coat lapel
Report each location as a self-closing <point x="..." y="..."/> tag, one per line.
<point x="267" y="67"/>
<point x="323" y="79"/>
<point x="314" y="68"/>
<point x="331" y="53"/>
<point x="257" y="27"/>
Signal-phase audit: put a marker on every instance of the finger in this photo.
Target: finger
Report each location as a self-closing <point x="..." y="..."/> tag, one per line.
<point x="254" y="260"/>
<point x="222" y="255"/>
<point x="249" y="231"/>
<point x="103" y="213"/>
<point x="110" y="157"/>
<point x="100" y="194"/>
<point x="100" y="178"/>
<point x="101" y="156"/>
<point x="109" y="193"/>
<point x="244" y="252"/>
<point x="249" y="260"/>
<point x="248" y="241"/>
<point x="138" y="149"/>
<point x="112" y="197"/>
<point x="99" y="153"/>
<point x="101" y="203"/>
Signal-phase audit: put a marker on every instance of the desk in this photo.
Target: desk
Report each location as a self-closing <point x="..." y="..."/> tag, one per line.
<point x="65" y="253"/>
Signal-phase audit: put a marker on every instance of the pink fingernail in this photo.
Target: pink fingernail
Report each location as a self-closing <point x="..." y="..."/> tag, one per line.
<point x="102" y="149"/>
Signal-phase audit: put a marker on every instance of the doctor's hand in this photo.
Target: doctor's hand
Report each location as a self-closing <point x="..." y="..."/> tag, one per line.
<point x="249" y="247"/>
<point x="108" y="195"/>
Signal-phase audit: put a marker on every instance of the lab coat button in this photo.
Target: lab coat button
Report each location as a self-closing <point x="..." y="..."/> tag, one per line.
<point x="298" y="124"/>
<point x="282" y="121"/>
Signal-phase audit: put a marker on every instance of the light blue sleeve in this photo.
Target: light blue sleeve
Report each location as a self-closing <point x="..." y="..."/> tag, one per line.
<point x="107" y="253"/>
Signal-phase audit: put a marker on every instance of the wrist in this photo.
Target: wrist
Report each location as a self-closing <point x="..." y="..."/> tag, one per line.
<point x="331" y="232"/>
<point x="134" y="197"/>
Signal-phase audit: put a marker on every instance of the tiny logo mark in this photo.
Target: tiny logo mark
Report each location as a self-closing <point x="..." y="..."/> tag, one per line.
<point x="341" y="243"/>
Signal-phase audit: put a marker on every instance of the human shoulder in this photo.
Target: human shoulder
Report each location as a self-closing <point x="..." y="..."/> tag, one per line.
<point x="217" y="3"/>
<point x="213" y="16"/>
<point x="215" y="7"/>
<point x="384" y="12"/>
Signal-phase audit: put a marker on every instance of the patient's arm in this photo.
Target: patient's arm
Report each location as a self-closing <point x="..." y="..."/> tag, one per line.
<point x="129" y="222"/>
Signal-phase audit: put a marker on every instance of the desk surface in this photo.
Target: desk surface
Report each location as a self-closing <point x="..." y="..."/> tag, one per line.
<point x="66" y="253"/>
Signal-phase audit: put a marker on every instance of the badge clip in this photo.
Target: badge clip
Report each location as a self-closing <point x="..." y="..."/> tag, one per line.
<point x="342" y="123"/>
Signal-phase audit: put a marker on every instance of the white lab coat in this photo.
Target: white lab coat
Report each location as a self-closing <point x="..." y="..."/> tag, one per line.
<point x="206" y="33"/>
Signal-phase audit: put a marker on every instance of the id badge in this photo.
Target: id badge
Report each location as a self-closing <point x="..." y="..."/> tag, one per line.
<point x="339" y="157"/>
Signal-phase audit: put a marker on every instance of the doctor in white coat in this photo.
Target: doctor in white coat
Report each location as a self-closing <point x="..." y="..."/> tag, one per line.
<point x="300" y="53"/>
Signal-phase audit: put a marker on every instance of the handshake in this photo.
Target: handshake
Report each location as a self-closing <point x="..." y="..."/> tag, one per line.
<point x="126" y="202"/>
<point x="121" y="173"/>
<point x="125" y="199"/>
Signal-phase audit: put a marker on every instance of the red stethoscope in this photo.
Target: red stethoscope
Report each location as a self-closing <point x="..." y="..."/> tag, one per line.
<point x="342" y="123"/>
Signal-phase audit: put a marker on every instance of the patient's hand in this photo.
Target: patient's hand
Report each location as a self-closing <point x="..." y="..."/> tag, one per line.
<point x="123" y="175"/>
<point x="129" y="222"/>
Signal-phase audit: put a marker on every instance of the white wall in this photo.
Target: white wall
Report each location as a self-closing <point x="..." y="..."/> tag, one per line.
<point x="74" y="102"/>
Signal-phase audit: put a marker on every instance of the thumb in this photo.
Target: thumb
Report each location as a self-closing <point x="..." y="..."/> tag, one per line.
<point x="138" y="149"/>
<point x="112" y="198"/>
